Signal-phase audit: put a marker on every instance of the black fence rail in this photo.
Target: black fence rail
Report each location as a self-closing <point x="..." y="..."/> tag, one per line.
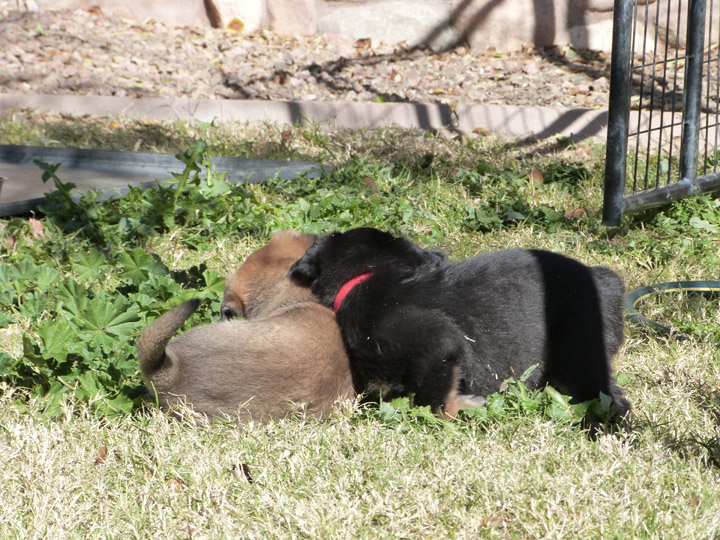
<point x="664" y="118"/>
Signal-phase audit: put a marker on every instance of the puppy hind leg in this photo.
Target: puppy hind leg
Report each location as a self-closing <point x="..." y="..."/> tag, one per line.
<point x="439" y="386"/>
<point x="438" y="389"/>
<point x="583" y="310"/>
<point x="417" y="351"/>
<point x="583" y="340"/>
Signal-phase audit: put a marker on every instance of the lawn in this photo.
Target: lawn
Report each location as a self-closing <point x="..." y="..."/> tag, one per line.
<point x="87" y="455"/>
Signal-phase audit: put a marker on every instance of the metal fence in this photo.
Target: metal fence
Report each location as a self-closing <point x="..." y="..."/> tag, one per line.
<point x="664" y="110"/>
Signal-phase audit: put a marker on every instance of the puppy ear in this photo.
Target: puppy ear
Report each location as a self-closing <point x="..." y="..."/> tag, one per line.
<point x="430" y="257"/>
<point x="436" y="256"/>
<point x="307" y="268"/>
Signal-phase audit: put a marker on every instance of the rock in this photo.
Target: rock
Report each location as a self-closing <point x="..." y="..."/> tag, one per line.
<point x="292" y="17"/>
<point x="530" y="68"/>
<point x="176" y="13"/>
<point x="596" y="36"/>
<point x="601" y="83"/>
<point x="252" y="14"/>
<point x="389" y="22"/>
<point x="488" y="23"/>
<point x="595" y="5"/>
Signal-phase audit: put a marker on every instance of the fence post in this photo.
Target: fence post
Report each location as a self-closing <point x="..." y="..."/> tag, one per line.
<point x="692" y="91"/>
<point x="618" y="114"/>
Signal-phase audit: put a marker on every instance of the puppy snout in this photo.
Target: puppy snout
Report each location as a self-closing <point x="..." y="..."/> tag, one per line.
<point x="227" y="313"/>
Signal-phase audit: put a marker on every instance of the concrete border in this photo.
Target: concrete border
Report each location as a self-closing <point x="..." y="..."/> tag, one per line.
<point x="504" y="121"/>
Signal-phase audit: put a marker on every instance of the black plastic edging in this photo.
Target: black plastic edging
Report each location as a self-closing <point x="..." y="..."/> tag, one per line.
<point x="148" y="167"/>
<point x="633" y="298"/>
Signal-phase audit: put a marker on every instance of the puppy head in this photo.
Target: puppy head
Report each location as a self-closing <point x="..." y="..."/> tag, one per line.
<point x="261" y="270"/>
<point x="335" y="258"/>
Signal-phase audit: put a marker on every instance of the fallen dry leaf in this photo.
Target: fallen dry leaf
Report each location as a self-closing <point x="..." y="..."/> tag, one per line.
<point x="236" y="25"/>
<point x="12" y="241"/>
<point x="174" y="483"/>
<point x="242" y="472"/>
<point x="577" y="213"/>
<point x="370" y="183"/>
<point x="536" y="176"/>
<point x="36" y="227"/>
<point x="496" y="522"/>
<point x="364" y="43"/>
<point x="101" y="454"/>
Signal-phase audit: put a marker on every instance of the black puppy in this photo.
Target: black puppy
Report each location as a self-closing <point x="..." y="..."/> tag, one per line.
<point x="466" y="327"/>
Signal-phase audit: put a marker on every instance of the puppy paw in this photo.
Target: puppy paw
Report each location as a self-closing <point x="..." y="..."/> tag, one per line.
<point x="469" y="400"/>
<point x="456" y="402"/>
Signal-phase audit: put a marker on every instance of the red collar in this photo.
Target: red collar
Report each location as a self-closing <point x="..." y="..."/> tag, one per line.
<point x="349" y="287"/>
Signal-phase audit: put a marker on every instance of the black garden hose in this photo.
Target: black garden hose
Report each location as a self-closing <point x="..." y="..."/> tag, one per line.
<point x="708" y="289"/>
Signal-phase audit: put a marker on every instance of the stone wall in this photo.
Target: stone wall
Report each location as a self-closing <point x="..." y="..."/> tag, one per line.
<point x="504" y="25"/>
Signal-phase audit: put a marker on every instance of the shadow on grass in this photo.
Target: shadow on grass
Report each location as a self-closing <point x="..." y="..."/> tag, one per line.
<point x="689" y="444"/>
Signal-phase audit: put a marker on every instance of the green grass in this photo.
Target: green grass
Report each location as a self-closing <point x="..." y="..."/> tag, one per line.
<point x="88" y="457"/>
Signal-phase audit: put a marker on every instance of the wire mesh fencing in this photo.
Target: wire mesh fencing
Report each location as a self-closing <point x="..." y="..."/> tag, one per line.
<point x="664" y="108"/>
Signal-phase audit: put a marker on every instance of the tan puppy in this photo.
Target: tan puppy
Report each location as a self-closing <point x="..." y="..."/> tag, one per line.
<point x="287" y="352"/>
<point x="246" y="290"/>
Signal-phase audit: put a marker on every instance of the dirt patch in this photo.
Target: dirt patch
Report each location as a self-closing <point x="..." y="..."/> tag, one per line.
<point x="84" y="52"/>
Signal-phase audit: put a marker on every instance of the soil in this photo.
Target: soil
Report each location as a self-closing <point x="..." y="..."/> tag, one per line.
<point x="87" y="53"/>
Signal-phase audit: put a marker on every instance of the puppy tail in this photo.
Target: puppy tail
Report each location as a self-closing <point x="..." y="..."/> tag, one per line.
<point x="152" y="342"/>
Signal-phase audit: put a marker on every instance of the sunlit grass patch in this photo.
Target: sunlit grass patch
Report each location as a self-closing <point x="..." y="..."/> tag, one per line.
<point x="86" y="455"/>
